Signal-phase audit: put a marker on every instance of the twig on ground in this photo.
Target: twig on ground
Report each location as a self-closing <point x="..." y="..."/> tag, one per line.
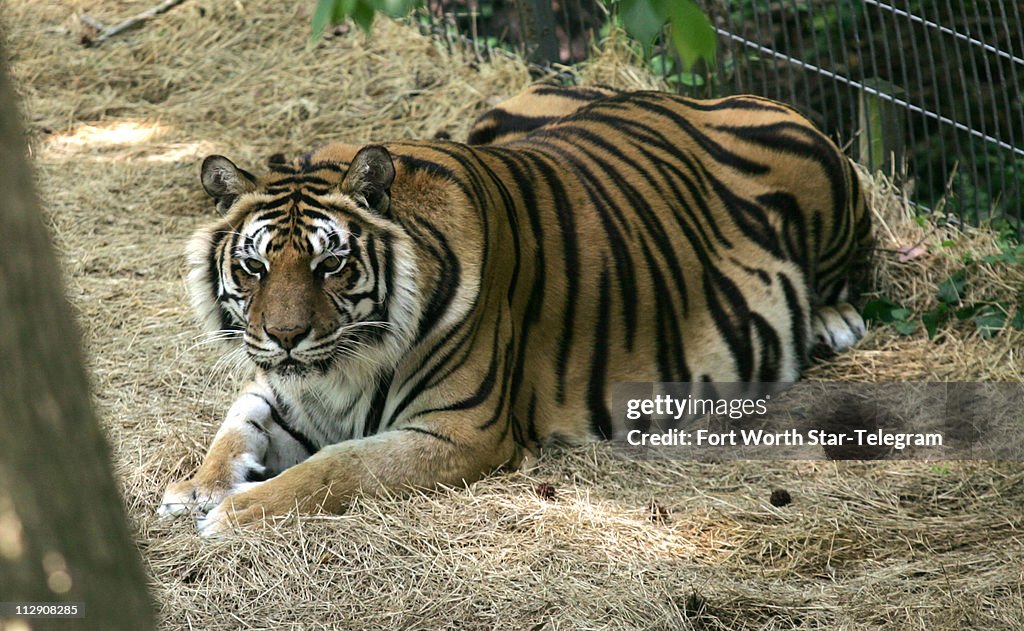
<point x="130" y="23"/>
<point x="92" y="23"/>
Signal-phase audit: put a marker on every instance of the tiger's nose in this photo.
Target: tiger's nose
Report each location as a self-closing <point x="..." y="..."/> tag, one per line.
<point x="287" y="338"/>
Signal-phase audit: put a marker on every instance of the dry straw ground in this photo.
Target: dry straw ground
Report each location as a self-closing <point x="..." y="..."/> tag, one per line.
<point x="117" y="133"/>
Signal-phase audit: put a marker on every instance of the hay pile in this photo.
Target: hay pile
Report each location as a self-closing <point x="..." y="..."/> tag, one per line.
<point x="911" y="261"/>
<point x="586" y="539"/>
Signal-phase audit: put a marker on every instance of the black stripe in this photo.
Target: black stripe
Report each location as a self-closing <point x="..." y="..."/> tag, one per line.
<point x="731" y="319"/>
<point x="762" y="275"/>
<point x="793" y="229"/>
<point x="516" y="165"/>
<point x="427" y="432"/>
<point x="484" y="136"/>
<point x="380" y="399"/>
<point x="284" y="200"/>
<point x="218" y="250"/>
<point x="501" y="412"/>
<point x="600" y="417"/>
<point x="502" y="123"/>
<point x="612" y="218"/>
<point x="317" y="166"/>
<point x="670" y="352"/>
<point x="300" y="197"/>
<point x="771" y="349"/>
<point x="799" y="319"/>
<point x="307" y="444"/>
<point x="735" y="103"/>
<point x="308" y="213"/>
<point x="433" y="168"/>
<point x="486" y="385"/>
<point x="718" y="152"/>
<point x="301" y="180"/>
<point x="573" y="93"/>
<point x="749" y="217"/>
<point x="443" y="289"/>
<point x="531" y="419"/>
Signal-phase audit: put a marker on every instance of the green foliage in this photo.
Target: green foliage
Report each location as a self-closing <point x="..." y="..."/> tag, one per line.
<point x="643" y="19"/>
<point x="329" y="12"/>
<point x="689" y="29"/>
<point x="951" y="289"/>
<point x="885" y="311"/>
<point x="988" y="315"/>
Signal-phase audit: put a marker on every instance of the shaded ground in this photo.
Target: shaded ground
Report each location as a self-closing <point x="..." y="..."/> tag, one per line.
<point x="117" y="133"/>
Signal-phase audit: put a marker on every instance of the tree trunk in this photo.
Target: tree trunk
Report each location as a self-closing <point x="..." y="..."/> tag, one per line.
<point x="63" y="535"/>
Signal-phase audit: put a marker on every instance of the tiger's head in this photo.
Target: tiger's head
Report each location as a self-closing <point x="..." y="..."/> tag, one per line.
<point x="307" y="266"/>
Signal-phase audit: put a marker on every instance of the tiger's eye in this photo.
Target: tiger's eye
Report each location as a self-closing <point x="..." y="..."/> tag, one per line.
<point x="254" y="266"/>
<point x="330" y="264"/>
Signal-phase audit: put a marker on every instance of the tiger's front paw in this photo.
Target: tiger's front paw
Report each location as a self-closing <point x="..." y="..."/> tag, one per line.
<point x="250" y="506"/>
<point x="838" y="327"/>
<point x="198" y="496"/>
<point x="190" y="497"/>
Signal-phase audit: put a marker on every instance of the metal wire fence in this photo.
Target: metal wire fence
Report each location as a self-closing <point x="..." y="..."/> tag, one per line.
<point x="930" y="91"/>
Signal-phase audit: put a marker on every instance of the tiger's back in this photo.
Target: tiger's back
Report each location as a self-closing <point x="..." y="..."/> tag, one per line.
<point x="703" y="238"/>
<point x="534" y="107"/>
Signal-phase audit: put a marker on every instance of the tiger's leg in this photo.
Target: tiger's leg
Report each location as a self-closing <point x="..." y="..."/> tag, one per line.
<point x="449" y="451"/>
<point x="238" y="456"/>
<point x="836" y="328"/>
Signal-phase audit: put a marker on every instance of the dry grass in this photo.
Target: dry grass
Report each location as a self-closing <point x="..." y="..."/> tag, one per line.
<point x="116" y="136"/>
<point x="957" y="353"/>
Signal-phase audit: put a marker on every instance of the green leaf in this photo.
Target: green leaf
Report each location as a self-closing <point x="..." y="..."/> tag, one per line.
<point x="951" y="290"/>
<point x="660" y="64"/>
<point x="690" y="79"/>
<point x="900" y="314"/>
<point x="395" y="8"/>
<point x="990" y="320"/>
<point x="342" y="9"/>
<point x="1018" y="320"/>
<point x="967" y="311"/>
<point x="888" y="312"/>
<point x="362" y="14"/>
<point x="643" y="19"/>
<point x="904" y="327"/>
<point x="692" y="34"/>
<point x="934" y="319"/>
<point x="1007" y="254"/>
<point x="880" y="310"/>
<point x="322" y="16"/>
<point x="948" y="243"/>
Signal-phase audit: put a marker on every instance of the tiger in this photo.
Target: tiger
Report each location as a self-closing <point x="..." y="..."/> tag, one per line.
<point x="425" y="313"/>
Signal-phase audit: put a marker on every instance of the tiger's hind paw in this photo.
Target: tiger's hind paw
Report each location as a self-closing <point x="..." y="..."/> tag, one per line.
<point x="836" y="328"/>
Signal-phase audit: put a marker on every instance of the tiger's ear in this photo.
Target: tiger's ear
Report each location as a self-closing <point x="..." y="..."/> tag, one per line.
<point x="370" y="176"/>
<point x="224" y="182"/>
